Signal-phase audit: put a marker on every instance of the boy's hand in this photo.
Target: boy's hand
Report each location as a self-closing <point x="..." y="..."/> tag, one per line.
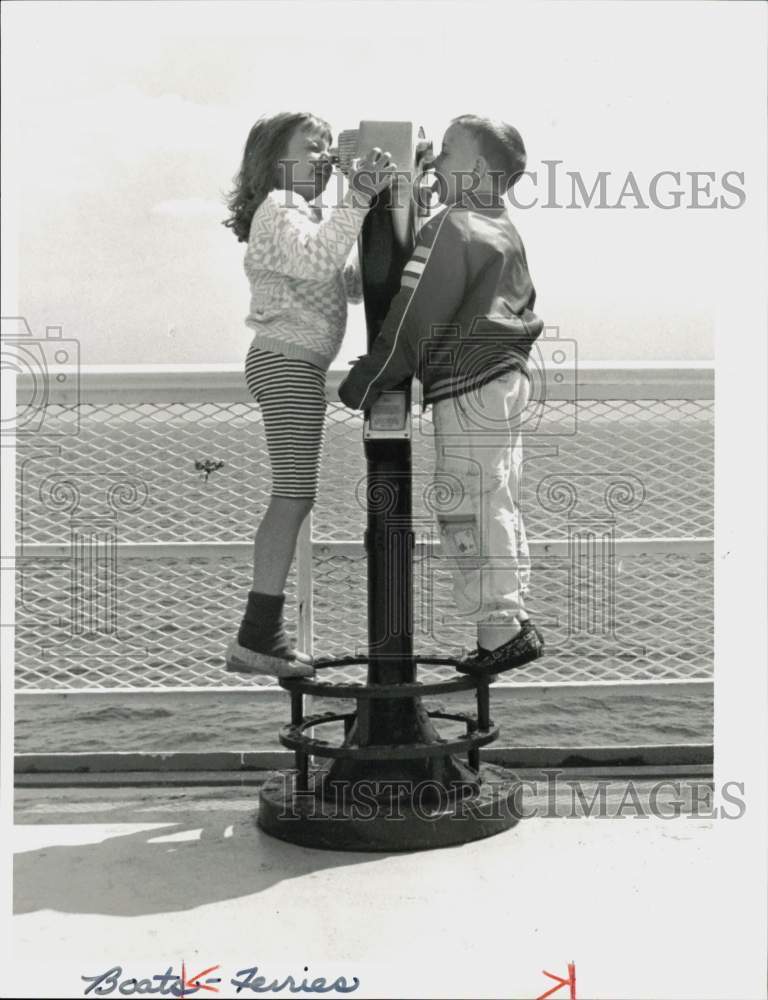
<point x="340" y="391"/>
<point x="346" y="395"/>
<point x="371" y="174"/>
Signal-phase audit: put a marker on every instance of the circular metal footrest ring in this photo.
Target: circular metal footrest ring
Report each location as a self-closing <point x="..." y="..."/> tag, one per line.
<point x="293" y="737"/>
<point x="415" y="689"/>
<point x="352" y="661"/>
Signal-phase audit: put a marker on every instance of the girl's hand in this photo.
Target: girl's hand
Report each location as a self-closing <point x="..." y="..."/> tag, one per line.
<point x="371" y="174"/>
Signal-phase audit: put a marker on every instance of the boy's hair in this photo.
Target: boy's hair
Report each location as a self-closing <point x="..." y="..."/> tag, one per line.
<point x="500" y="143"/>
<point x="258" y="174"/>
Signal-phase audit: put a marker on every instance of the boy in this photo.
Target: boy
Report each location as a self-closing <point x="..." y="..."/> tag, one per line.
<point x="463" y="322"/>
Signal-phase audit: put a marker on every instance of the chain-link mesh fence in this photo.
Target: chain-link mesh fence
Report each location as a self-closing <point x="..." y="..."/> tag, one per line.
<point x="136" y="473"/>
<point x="665" y="444"/>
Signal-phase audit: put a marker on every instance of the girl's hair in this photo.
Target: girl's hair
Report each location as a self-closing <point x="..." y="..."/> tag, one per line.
<point x="258" y="174"/>
<point x="500" y="143"/>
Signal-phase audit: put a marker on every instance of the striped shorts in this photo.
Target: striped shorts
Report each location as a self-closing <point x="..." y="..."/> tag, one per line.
<point x="291" y="394"/>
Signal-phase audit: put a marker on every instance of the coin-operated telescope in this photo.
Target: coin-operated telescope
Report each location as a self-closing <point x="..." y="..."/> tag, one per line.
<point x="391" y="747"/>
<point x="411" y="151"/>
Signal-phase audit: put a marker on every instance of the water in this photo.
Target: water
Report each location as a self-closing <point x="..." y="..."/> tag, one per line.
<point x="218" y="723"/>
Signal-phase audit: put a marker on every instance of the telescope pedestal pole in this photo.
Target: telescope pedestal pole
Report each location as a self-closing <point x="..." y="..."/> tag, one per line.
<point x="389" y="543"/>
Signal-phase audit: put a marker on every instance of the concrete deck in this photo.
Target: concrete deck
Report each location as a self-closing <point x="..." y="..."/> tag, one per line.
<point x="146" y="878"/>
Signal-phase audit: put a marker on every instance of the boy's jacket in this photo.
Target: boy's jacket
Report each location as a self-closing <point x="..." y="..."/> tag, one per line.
<point x="463" y="315"/>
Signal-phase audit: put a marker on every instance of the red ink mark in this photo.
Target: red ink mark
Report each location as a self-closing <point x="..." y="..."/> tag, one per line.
<point x="570" y="982"/>
<point x="193" y="983"/>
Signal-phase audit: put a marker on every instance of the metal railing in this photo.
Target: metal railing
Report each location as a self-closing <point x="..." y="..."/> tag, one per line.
<point x="133" y="562"/>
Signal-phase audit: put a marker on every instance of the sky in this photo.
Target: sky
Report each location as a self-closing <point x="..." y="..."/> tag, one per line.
<point x="127" y="122"/>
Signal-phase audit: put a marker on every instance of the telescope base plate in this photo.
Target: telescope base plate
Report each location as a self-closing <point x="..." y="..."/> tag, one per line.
<point x="424" y="817"/>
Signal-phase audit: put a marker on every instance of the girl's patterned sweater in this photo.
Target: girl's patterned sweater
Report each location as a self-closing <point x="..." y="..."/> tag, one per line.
<point x="299" y="277"/>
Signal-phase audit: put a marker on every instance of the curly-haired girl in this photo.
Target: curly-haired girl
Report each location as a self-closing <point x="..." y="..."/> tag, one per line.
<point x="295" y="263"/>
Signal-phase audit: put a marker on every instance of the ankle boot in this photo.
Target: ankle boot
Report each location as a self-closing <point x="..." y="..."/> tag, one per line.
<point x="262" y="646"/>
<point x="263" y="629"/>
